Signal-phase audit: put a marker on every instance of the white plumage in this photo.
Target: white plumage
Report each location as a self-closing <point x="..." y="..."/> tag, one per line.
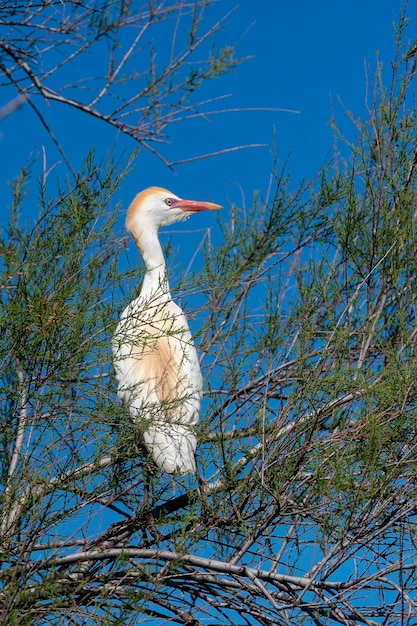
<point x="155" y="360"/>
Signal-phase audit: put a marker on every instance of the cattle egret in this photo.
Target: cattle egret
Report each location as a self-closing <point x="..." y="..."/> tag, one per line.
<point x="155" y="360"/>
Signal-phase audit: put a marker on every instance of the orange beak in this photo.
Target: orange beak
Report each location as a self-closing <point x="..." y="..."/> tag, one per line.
<point x="193" y="206"/>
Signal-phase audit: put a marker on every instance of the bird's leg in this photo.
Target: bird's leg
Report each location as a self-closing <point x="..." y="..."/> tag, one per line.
<point x="149" y="522"/>
<point x="202" y="488"/>
<point x="145" y="503"/>
<point x="145" y="508"/>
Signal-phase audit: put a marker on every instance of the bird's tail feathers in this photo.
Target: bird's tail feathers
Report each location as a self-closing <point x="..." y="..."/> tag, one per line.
<point x="172" y="447"/>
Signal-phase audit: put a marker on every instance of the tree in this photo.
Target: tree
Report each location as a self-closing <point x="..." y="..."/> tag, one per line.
<point x="141" y="86"/>
<point x="308" y="440"/>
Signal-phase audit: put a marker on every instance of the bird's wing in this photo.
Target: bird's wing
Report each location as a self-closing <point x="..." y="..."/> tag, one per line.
<point x="160" y="381"/>
<point x="172" y="447"/>
<point x="159" y="368"/>
<point x="156" y="365"/>
<point x="166" y="402"/>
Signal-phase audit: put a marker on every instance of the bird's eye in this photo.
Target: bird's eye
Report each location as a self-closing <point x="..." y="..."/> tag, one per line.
<point x="168" y="201"/>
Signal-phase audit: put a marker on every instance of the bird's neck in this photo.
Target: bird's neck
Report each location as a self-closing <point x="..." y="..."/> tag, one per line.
<point x="155" y="282"/>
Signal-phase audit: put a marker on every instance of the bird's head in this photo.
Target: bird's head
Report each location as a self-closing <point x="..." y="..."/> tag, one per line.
<point x="155" y="207"/>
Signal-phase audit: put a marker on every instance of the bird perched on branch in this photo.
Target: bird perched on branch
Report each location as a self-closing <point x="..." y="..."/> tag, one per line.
<point x="155" y="360"/>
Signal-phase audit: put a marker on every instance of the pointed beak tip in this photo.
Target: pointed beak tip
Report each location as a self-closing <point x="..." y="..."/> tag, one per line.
<point x="214" y="206"/>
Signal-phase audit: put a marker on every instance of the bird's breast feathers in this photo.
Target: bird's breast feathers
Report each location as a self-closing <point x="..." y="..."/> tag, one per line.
<point x="156" y="363"/>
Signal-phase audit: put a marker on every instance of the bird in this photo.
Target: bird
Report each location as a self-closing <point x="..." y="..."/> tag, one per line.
<point x="154" y="357"/>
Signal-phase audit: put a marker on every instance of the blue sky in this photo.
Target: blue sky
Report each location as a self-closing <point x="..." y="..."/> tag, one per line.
<point x="306" y="56"/>
<point x="312" y="57"/>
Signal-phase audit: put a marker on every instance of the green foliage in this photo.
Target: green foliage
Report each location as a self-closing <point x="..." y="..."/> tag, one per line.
<point x="309" y="430"/>
<point x="56" y="311"/>
<point x="310" y="336"/>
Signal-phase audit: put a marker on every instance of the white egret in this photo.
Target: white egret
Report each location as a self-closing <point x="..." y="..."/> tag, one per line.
<point x="155" y="360"/>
